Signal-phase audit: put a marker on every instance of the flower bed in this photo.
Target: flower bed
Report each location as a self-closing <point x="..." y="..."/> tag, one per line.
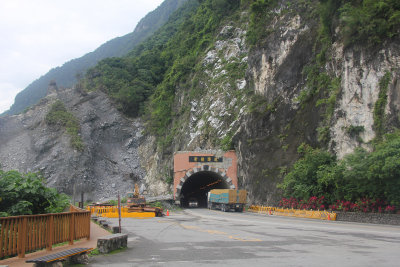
<point x="364" y="205"/>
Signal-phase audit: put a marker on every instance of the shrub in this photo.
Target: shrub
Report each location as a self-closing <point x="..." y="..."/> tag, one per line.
<point x="260" y="15"/>
<point x="359" y="176"/>
<point x="370" y="21"/>
<point x="306" y="178"/>
<point x="23" y="194"/>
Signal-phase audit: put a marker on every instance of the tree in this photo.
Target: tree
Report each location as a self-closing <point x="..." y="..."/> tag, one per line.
<point x="23" y="194"/>
<point x="372" y="175"/>
<point x="309" y="176"/>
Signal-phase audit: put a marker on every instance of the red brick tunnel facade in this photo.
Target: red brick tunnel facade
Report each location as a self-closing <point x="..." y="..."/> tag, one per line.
<point x="196" y="173"/>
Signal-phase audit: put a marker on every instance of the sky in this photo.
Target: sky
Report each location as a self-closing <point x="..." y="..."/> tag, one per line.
<point x="38" y="35"/>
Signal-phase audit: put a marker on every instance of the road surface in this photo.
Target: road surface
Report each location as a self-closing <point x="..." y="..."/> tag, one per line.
<point x="202" y="237"/>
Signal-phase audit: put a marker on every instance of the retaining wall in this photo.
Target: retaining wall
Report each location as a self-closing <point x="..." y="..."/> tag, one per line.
<point x="377" y="218"/>
<point x="109" y="243"/>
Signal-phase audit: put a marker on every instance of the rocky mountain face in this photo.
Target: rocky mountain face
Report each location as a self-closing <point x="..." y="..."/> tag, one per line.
<point x="256" y="100"/>
<point x="267" y="141"/>
<point x="250" y="100"/>
<point x="108" y="163"/>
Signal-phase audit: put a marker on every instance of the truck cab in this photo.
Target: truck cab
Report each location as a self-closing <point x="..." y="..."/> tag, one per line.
<point x="193" y="203"/>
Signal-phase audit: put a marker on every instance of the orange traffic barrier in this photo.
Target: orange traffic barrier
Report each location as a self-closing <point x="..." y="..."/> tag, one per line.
<point x="112" y="212"/>
<point x="312" y="214"/>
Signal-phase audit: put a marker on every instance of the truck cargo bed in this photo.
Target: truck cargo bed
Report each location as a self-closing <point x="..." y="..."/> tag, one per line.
<point x="227" y="199"/>
<point x="228" y="196"/>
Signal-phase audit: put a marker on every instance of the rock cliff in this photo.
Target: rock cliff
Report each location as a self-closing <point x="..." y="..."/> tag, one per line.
<point x="108" y="163"/>
<point x="250" y="100"/>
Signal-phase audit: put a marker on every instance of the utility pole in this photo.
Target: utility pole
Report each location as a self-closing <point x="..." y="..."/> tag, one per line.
<point x="81" y="204"/>
<point x="119" y="213"/>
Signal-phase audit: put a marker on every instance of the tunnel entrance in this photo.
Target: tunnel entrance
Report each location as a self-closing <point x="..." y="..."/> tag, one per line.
<point x="198" y="185"/>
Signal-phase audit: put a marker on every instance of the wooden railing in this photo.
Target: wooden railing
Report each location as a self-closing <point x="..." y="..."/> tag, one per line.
<point x="28" y="233"/>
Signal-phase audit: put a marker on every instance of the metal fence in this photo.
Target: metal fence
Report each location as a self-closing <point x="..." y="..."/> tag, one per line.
<point x="28" y="233"/>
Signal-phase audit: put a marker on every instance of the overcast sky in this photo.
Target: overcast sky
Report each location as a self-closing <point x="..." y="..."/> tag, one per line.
<point x="38" y="35"/>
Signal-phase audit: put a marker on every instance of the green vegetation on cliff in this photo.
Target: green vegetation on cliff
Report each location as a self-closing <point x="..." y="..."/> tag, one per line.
<point x="362" y="174"/>
<point x="59" y="115"/>
<point x="369" y="21"/>
<point x="261" y="14"/>
<point x="24" y="194"/>
<point x="380" y="105"/>
<point x="146" y="80"/>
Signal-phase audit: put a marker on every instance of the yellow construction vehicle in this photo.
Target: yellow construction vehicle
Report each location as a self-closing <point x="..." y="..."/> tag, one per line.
<point x="137" y="203"/>
<point x="134" y="199"/>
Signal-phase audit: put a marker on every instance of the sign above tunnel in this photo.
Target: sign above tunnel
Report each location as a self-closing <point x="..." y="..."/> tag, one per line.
<point x="205" y="159"/>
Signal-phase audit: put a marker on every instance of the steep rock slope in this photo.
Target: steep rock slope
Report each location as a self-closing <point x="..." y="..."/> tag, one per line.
<point x="109" y="162"/>
<point x="361" y="75"/>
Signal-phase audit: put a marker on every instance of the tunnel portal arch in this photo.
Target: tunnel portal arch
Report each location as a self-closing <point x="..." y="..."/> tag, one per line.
<point x="199" y="183"/>
<point x="197" y="172"/>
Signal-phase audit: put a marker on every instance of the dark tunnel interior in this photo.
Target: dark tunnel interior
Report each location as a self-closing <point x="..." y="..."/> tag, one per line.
<point x="198" y="185"/>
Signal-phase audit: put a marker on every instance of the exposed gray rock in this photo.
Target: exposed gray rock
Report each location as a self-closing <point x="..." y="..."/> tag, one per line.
<point x="109" y="162"/>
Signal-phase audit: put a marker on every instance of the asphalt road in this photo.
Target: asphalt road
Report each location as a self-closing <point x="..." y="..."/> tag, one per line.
<point x="200" y="237"/>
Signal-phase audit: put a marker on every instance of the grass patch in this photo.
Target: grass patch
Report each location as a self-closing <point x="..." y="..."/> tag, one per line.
<point x="380" y="105"/>
<point x="94" y="252"/>
<point x="119" y="250"/>
<point x="59" y="115"/>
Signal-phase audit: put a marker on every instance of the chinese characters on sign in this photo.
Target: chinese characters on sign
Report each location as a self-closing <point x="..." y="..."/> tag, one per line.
<point x="204" y="159"/>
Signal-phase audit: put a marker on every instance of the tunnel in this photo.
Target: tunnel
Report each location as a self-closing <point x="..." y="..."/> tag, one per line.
<point x="198" y="185"/>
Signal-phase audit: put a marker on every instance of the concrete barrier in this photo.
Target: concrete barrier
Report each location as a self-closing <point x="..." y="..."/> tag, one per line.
<point x="310" y="214"/>
<point x="112" y="212"/>
<point x="112" y="242"/>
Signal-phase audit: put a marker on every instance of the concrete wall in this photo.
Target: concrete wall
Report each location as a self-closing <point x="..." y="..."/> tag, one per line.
<point x="377" y="218"/>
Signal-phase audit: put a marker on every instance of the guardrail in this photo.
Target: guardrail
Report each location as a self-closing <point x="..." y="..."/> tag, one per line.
<point x="311" y="214"/>
<point x="28" y="233"/>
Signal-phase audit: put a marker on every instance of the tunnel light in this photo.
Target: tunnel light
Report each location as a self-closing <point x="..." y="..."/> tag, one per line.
<point x="204" y="187"/>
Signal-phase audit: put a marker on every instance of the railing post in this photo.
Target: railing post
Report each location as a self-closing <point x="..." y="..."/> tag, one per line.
<point x="22" y="244"/>
<point x="1" y="237"/>
<point x="88" y="225"/>
<point x="72" y="228"/>
<point x="50" y="236"/>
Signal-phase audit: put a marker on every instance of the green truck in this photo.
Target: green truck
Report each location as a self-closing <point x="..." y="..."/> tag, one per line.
<point x="227" y="199"/>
